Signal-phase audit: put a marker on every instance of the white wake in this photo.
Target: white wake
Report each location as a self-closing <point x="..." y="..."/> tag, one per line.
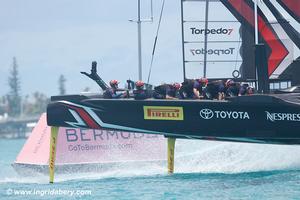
<point x="191" y="156"/>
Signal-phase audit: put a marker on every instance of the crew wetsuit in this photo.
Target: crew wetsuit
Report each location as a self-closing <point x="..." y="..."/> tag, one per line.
<point x="214" y="89"/>
<point x="233" y="90"/>
<point x="140" y="94"/>
<point x="187" y="89"/>
<point x="164" y="91"/>
<point x="111" y="93"/>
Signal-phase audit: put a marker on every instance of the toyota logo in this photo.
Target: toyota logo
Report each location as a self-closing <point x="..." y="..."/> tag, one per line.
<point x="206" y="113"/>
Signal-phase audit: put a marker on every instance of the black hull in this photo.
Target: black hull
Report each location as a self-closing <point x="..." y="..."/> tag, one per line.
<point x="257" y="118"/>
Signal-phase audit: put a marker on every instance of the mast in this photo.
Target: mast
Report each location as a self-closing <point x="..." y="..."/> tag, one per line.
<point x="139" y="23"/>
<point x="205" y="38"/>
<point x="139" y="27"/>
<point x="261" y="60"/>
<point x="139" y="34"/>
<point x="182" y="40"/>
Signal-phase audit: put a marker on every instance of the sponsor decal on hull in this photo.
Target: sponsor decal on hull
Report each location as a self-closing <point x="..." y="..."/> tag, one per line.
<point x="163" y="113"/>
<point x="273" y="117"/>
<point x="88" y="114"/>
<point x="208" y="114"/>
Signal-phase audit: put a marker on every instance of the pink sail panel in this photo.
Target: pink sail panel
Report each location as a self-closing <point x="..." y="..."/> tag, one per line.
<point x="36" y="148"/>
<point x="82" y="146"/>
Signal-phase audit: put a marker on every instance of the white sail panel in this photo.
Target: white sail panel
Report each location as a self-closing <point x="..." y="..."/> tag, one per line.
<point x="223" y="40"/>
<point x="227" y="52"/>
<point x="214" y="69"/>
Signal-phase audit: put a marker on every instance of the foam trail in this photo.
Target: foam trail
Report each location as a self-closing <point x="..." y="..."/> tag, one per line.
<point x="114" y="171"/>
<point x="191" y="156"/>
<point x="227" y="157"/>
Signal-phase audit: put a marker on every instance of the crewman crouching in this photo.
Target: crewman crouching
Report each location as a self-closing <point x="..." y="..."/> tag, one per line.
<point x="232" y="88"/>
<point x="140" y="93"/>
<point x="246" y="89"/>
<point x="167" y="91"/>
<point x="193" y="88"/>
<point x="215" y="90"/>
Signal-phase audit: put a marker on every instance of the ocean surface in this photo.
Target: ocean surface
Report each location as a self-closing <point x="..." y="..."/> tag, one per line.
<point x="204" y="170"/>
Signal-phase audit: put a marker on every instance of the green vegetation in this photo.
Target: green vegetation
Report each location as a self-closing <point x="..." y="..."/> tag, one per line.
<point x="16" y="105"/>
<point x="14" y="96"/>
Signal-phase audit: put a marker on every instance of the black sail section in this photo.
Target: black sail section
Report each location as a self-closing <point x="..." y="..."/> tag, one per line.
<point x="247" y="52"/>
<point x="247" y="34"/>
<point x="243" y="10"/>
<point x="289" y="29"/>
<point x="292" y="7"/>
<point x="292" y="72"/>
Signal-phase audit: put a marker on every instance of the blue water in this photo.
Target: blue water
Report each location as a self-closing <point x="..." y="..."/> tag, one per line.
<point x="205" y="170"/>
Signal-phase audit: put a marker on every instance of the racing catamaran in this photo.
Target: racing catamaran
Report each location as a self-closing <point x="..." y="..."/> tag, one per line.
<point x="262" y="118"/>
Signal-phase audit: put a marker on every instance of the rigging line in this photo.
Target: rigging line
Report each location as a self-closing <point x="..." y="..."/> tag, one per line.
<point x="155" y="40"/>
<point x="237" y="53"/>
<point x="151" y="10"/>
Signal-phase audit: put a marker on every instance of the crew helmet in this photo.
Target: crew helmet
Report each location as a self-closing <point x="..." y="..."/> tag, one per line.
<point x="203" y="81"/>
<point x="229" y="82"/>
<point x="139" y="84"/>
<point x="113" y="83"/>
<point x="250" y="90"/>
<point x="177" y="86"/>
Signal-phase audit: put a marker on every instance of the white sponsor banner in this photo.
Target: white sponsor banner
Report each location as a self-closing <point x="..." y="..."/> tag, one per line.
<point x="223" y="40"/>
<point x="227" y="52"/>
<point x="216" y="31"/>
<point x="214" y="69"/>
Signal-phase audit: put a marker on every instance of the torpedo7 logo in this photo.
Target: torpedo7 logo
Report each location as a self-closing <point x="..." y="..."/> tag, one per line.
<point x="212" y="31"/>
<point x="163" y="113"/>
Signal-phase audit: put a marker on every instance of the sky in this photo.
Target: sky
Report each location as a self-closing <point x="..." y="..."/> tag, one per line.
<point x="50" y="38"/>
<point x="63" y="37"/>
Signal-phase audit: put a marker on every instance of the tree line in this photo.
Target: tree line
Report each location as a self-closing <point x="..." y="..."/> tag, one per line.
<point x="13" y="104"/>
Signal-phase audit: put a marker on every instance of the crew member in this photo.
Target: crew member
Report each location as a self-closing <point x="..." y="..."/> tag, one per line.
<point x="215" y="90"/>
<point x="245" y="89"/>
<point x="250" y="90"/>
<point x="232" y="88"/>
<point x="113" y="92"/>
<point x="140" y="93"/>
<point x="193" y="89"/>
<point x="166" y="91"/>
